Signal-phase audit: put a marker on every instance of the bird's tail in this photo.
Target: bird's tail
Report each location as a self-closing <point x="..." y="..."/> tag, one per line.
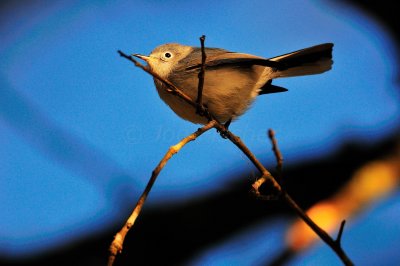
<point x="313" y="60"/>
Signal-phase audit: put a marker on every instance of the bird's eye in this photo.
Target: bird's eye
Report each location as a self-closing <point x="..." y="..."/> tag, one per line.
<point x="168" y="55"/>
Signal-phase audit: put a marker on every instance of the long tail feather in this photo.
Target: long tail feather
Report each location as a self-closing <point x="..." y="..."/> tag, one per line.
<point x="313" y="60"/>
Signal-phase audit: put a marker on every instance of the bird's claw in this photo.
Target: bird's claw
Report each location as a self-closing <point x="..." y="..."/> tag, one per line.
<point x="223" y="133"/>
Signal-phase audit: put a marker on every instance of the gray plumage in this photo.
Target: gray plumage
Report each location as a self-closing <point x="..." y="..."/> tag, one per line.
<point x="232" y="80"/>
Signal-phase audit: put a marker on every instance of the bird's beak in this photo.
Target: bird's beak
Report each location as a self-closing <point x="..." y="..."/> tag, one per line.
<point x="143" y="57"/>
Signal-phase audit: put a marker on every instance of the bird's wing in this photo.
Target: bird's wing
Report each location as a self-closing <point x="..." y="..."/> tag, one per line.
<point x="217" y="58"/>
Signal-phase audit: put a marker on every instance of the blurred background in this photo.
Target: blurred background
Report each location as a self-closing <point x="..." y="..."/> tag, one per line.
<point x="81" y="129"/>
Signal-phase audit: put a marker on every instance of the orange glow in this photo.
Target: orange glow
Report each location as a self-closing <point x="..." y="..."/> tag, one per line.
<point x="368" y="184"/>
<point x="372" y="181"/>
<point x="325" y="214"/>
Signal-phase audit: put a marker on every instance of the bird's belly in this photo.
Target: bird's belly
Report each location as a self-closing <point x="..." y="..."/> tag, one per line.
<point x="186" y="111"/>
<point x="224" y="100"/>
<point x="181" y="108"/>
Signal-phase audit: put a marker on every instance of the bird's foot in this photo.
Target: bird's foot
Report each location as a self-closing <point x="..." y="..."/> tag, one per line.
<point x="224" y="133"/>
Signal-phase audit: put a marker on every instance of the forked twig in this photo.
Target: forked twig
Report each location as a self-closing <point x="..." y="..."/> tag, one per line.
<point x="334" y="244"/>
<point x="116" y="245"/>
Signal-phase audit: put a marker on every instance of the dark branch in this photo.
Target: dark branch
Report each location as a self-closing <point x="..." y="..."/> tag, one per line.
<point x="200" y="110"/>
<point x="318" y="230"/>
<point x="278" y="154"/>
<point x="340" y="233"/>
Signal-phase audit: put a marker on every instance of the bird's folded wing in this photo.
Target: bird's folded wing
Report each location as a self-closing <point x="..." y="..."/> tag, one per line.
<point x="222" y="58"/>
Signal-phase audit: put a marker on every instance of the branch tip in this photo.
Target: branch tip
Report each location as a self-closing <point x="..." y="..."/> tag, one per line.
<point x="340" y="233"/>
<point x="277" y="152"/>
<point x="199" y="101"/>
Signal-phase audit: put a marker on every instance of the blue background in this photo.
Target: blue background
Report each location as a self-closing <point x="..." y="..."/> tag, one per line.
<point x="81" y="128"/>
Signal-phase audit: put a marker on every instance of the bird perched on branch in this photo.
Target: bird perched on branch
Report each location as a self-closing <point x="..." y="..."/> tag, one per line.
<point x="232" y="80"/>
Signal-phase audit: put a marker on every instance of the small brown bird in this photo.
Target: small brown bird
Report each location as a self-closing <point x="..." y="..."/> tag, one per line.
<point x="232" y="80"/>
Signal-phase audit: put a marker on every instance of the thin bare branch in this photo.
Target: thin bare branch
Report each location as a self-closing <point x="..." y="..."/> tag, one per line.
<point x="340" y="233"/>
<point x="266" y="176"/>
<point x="117" y="244"/>
<point x="277" y="152"/>
<point x="202" y="73"/>
<point x="334" y="245"/>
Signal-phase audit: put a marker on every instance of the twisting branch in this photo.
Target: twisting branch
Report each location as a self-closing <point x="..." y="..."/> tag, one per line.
<point x="334" y="244"/>
<point x="266" y="176"/>
<point x="116" y="245"/>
